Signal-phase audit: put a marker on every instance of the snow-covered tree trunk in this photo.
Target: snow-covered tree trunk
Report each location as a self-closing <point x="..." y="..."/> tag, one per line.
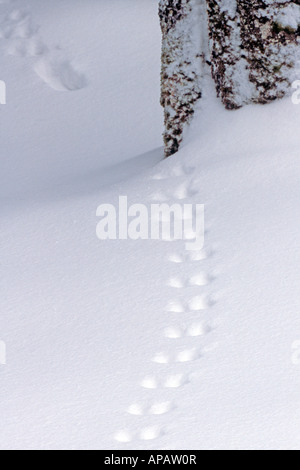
<point x="270" y="37"/>
<point x="229" y="67"/>
<point x="181" y="67"/>
<point x="254" y="49"/>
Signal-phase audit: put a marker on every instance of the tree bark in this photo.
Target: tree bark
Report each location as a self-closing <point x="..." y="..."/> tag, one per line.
<point x="270" y="36"/>
<point x="228" y="61"/>
<point x="254" y="48"/>
<point x="181" y="67"/>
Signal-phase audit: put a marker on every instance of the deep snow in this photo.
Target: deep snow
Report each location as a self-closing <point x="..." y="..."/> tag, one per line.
<point x="140" y="344"/>
<point x="98" y="47"/>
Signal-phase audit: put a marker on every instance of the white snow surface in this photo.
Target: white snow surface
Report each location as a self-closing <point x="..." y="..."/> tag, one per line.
<point x="139" y="344"/>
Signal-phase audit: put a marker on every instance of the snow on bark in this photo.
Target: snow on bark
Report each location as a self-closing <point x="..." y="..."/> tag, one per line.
<point x="270" y="35"/>
<point x="254" y="49"/>
<point x="228" y="60"/>
<point x="181" y="66"/>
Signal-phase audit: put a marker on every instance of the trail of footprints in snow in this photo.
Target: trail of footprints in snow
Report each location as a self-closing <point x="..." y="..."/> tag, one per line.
<point x="175" y="334"/>
<point x="20" y="36"/>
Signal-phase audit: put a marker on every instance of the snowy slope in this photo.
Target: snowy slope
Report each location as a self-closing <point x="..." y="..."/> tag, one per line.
<point x="97" y="47"/>
<point x="140" y="344"/>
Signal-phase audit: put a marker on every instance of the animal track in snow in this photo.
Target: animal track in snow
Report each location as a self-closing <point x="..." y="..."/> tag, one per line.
<point x="189" y="234"/>
<point x="33" y="47"/>
<point x="183" y="192"/>
<point x="151" y="433"/>
<point x="182" y="341"/>
<point x="176" y="283"/>
<point x="156" y="409"/>
<point x="59" y="74"/>
<point x="201" y="279"/>
<point x="198" y="329"/>
<point x="171" y="381"/>
<point x="177" y="172"/>
<point x="187" y="355"/>
<point x="135" y="410"/>
<point x="176" y="258"/>
<point x="174" y="333"/>
<point x="159" y="197"/>
<point x="175" y="307"/>
<point x="176" y="381"/>
<point x="183" y="170"/>
<point x="124" y="437"/>
<point x="189" y="170"/>
<point x="194" y="330"/>
<point x="201" y="302"/>
<point x="21" y="35"/>
<point x="20" y="25"/>
<point x="161" y="358"/>
<point x="147" y="434"/>
<point x="150" y="383"/>
<point x="198" y="280"/>
<point x="159" y="177"/>
<point x="199" y="255"/>
<point x="190" y="256"/>
<point x="17" y="15"/>
<point x="163" y="408"/>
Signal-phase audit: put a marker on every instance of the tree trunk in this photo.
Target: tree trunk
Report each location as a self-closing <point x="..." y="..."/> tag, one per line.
<point x="254" y="49"/>
<point x="270" y="35"/>
<point x="181" y="67"/>
<point x="228" y="61"/>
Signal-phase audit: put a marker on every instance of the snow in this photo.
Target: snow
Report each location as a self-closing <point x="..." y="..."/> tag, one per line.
<point x="140" y="344"/>
<point x="289" y="17"/>
<point x="95" y="59"/>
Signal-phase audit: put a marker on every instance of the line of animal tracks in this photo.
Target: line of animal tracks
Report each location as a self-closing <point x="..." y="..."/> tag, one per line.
<point x="186" y="311"/>
<point x="21" y="37"/>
